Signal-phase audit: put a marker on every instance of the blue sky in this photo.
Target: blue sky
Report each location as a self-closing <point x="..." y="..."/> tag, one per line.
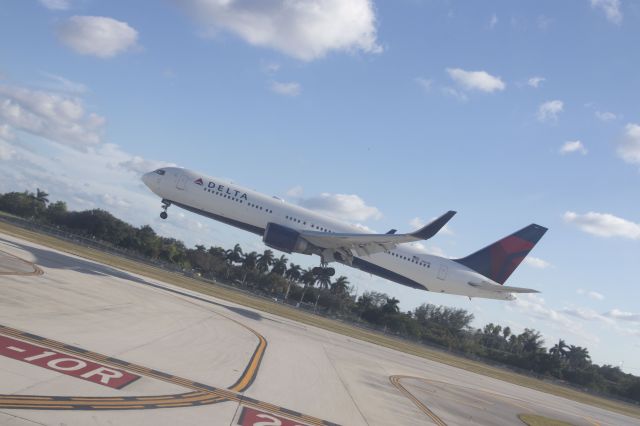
<point x="387" y="113"/>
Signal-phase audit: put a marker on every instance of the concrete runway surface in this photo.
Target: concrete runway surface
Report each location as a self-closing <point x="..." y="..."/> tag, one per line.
<point x="83" y="343"/>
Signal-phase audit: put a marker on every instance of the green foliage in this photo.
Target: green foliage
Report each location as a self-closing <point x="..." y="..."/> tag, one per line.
<point x="266" y="274"/>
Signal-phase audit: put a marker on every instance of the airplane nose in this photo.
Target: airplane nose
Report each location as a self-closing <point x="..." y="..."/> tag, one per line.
<point x="146" y="178"/>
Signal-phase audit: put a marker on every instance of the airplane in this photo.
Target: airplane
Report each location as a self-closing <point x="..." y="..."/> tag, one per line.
<point x="293" y="229"/>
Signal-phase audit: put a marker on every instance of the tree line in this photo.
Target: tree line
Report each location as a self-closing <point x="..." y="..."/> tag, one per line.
<point x="314" y="288"/>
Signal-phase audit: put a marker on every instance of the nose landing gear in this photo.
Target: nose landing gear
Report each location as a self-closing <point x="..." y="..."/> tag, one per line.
<point x="165" y="206"/>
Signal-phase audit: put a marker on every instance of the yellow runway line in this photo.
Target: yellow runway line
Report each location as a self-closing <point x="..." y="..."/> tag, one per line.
<point x="395" y="380"/>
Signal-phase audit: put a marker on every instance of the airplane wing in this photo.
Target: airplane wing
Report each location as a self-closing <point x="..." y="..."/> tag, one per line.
<point x="484" y="285"/>
<point x="367" y="244"/>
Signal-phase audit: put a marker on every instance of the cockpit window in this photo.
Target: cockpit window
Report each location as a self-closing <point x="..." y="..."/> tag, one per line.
<point x="160" y="172"/>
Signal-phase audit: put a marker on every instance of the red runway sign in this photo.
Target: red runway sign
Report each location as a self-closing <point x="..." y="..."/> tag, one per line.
<point x="253" y="417"/>
<point x="65" y="364"/>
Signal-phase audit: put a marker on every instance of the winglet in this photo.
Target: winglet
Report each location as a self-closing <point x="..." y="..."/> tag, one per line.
<point x="392" y="231"/>
<point x="434" y="227"/>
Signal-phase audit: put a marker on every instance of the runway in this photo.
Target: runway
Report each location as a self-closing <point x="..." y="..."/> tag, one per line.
<point x="84" y="343"/>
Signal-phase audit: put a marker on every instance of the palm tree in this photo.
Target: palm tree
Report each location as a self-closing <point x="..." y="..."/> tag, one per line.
<point x="506" y="332"/>
<point x="233" y="256"/>
<point x="264" y="261"/>
<point x="249" y="262"/>
<point x="578" y="357"/>
<point x="41" y="196"/>
<point x="279" y="266"/>
<point x="340" y="285"/>
<point x="293" y="275"/>
<point x="391" y="307"/>
<point x="559" y="350"/>
<point x="531" y="341"/>
<point x="309" y="279"/>
<point x="217" y="252"/>
<point x="323" y="277"/>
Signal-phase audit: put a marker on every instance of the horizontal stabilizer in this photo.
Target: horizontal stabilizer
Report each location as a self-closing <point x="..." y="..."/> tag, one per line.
<point x="487" y="286"/>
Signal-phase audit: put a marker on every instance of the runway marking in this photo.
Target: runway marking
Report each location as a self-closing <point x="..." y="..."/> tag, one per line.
<point x="395" y="380"/>
<point x="36" y="269"/>
<point x="202" y="394"/>
<point x="61" y="363"/>
<point x="507" y="399"/>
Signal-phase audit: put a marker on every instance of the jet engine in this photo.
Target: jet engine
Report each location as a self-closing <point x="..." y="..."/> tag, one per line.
<point x="285" y="239"/>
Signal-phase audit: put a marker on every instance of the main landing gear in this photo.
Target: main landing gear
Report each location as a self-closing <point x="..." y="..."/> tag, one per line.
<point x="165" y="206"/>
<point x="323" y="269"/>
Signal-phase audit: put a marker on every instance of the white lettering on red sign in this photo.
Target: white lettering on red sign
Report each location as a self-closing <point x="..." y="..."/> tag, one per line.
<point x="252" y="417"/>
<point x="65" y="364"/>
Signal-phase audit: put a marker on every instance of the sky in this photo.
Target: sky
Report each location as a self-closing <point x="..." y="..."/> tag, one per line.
<point x="382" y="113"/>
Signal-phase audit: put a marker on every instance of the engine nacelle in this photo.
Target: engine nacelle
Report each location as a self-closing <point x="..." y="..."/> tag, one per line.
<point x="285" y="239"/>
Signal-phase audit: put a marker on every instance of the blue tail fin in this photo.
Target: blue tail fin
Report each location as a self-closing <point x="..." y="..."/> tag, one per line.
<point x="498" y="261"/>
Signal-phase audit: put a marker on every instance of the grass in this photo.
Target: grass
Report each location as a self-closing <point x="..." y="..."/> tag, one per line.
<point x="294" y="314"/>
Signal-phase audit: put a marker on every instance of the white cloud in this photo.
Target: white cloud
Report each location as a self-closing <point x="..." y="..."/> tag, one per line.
<point x="621" y="315"/>
<point x="493" y="21"/>
<point x="56" y="4"/>
<point x="141" y="165"/>
<point x="424" y="83"/>
<point x="349" y="207"/>
<point x="605" y="116"/>
<point x="6" y="150"/>
<point x="476" y="80"/>
<point x="535" y="306"/>
<point x="586" y="314"/>
<point x="536" y="262"/>
<point x="536" y="81"/>
<point x="286" y="89"/>
<point x="54" y="116"/>
<point x="6" y="133"/>
<point x="611" y="9"/>
<point x="365" y="228"/>
<point x="270" y="67"/>
<point x="61" y="84"/>
<point x="456" y="94"/>
<point x="629" y="147"/>
<point x="433" y="250"/>
<point x="594" y="295"/>
<point x="295" y="192"/>
<point x="97" y="35"/>
<point x="604" y="225"/>
<point x="549" y="110"/>
<point x="573" y="146"/>
<point x="306" y="30"/>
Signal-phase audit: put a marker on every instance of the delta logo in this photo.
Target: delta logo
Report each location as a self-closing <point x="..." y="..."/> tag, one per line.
<point x="198" y="181"/>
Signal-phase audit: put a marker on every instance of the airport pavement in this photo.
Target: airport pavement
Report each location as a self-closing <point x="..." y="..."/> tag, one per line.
<point x="84" y="343"/>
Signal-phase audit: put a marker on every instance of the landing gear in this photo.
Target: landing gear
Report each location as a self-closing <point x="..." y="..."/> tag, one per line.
<point x="165" y="206"/>
<point x="323" y="269"/>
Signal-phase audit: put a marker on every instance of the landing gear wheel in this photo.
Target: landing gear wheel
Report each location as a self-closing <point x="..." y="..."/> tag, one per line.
<point x="321" y="270"/>
<point x="165" y="206"/>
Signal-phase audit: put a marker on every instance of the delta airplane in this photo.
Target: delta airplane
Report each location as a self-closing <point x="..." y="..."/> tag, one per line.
<point x="293" y="229"/>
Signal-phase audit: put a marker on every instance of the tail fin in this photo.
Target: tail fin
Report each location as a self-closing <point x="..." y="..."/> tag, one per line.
<point x="498" y="261"/>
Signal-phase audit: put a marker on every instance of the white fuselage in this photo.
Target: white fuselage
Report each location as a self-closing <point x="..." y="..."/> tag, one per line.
<point x="252" y="211"/>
